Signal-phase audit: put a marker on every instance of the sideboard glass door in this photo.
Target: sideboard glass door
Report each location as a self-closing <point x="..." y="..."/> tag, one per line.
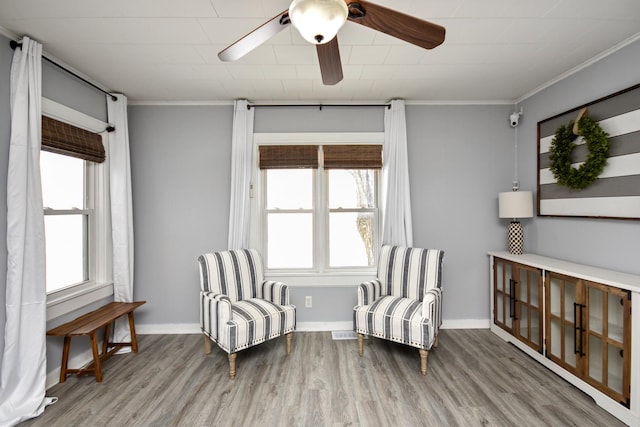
<point x="503" y="294"/>
<point x="608" y="337"/>
<point x="564" y="337"/>
<point x="529" y="306"/>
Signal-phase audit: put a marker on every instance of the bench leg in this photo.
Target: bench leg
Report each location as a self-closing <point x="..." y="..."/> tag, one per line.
<point x="132" y="330"/>
<point x="65" y="359"/>
<point x="107" y="337"/>
<point x="97" y="369"/>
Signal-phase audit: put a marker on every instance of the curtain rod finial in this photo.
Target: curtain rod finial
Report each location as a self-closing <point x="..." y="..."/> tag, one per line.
<point x="14" y="44"/>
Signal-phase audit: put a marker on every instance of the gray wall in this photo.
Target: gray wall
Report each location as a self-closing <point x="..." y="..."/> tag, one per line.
<point x="181" y="175"/>
<point x="59" y="86"/>
<point x="311" y="119"/>
<point x="613" y="244"/>
<point x="460" y="157"/>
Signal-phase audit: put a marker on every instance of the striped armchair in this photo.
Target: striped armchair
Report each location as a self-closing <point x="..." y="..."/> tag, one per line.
<point x="403" y="304"/>
<point x="238" y="308"/>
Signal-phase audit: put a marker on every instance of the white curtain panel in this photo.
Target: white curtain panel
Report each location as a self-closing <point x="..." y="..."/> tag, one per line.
<point x="24" y="360"/>
<point x="396" y="198"/>
<point x="121" y="210"/>
<point x="241" y="170"/>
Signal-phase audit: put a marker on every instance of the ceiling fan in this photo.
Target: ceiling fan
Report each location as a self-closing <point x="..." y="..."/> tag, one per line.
<point x="319" y="21"/>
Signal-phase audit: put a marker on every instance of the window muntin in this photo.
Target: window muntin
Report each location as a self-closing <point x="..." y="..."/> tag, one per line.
<point x="337" y="231"/>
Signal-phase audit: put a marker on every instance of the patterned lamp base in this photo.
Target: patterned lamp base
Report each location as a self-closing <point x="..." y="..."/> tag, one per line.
<point x="516" y="238"/>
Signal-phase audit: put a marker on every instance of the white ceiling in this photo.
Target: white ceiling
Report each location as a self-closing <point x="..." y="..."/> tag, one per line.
<point x="166" y="50"/>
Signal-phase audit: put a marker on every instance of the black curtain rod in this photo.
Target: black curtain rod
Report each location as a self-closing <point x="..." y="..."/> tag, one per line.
<point x="319" y="106"/>
<point x="14" y="44"/>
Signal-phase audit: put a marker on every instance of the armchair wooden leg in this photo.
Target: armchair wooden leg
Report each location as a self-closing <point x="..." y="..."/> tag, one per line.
<point x="423" y="361"/>
<point x="232" y="365"/>
<point x="360" y="344"/>
<point x="207" y="345"/>
<point x="435" y="342"/>
<point x="289" y="337"/>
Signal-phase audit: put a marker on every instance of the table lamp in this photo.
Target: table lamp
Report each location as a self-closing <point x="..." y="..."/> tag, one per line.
<point x="514" y="205"/>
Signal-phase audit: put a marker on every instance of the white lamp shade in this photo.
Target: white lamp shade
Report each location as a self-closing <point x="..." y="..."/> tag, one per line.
<point x="515" y="204"/>
<point x="318" y="21"/>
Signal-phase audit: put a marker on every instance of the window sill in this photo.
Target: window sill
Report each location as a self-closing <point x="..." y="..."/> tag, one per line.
<point x="344" y="279"/>
<point x="71" y="299"/>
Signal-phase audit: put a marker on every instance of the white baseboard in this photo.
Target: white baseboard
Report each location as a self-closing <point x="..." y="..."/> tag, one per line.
<point x="466" y="324"/>
<point x="194" y="328"/>
<point x="169" y="329"/>
<point x="324" y="326"/>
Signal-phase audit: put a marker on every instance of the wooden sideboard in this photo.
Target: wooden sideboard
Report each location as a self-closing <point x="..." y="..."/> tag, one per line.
<point x="574" y="319"/>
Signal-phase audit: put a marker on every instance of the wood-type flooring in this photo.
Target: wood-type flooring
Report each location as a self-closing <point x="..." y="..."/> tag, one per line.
<point x="474" y="379"/>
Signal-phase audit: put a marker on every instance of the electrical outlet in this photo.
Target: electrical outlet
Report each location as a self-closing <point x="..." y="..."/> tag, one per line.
<point x="308" y="302"/>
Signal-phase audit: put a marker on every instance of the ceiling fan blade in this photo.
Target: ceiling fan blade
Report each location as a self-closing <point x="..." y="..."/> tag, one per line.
<point x="397" y="24"/>
<point x="256" y="37"/>
<point x="330" y="65"/>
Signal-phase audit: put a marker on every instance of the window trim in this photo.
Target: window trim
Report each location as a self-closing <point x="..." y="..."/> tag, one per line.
<point x="100" y="283"/>
<point x="333" y="277"/>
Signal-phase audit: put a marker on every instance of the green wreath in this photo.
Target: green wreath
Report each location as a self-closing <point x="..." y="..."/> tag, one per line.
<point x="562" y="146"/>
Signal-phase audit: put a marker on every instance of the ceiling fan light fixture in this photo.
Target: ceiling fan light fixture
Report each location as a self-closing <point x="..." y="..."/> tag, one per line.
<point x="318" y="21"/>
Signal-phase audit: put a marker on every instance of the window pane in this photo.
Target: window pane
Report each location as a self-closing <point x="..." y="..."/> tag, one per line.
<point x="289" y="188"/>
<point x="351" y="188"/>
<point x="290" y="240"/>
<point x="351" y="239"/>
<point x="65" y="237"/>
<point x="62" y="181"/>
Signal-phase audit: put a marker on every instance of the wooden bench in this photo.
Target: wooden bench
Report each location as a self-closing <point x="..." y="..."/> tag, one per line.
<point x="89" y="324"/>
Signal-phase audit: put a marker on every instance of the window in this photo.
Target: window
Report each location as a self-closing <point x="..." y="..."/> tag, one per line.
<point x="352" y="217"/>
<point x="320" y="206"/>
<point x="66" y="220"/>
<point x="289" y="218"/>
<point x="76" y="215"/>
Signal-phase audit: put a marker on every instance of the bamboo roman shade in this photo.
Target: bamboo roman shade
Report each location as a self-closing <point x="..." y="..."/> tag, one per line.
<point x="288" y="157"/>
<point x="62" y="138"/>
<point x="352" y="156"/>
<point x="335" y="156"/>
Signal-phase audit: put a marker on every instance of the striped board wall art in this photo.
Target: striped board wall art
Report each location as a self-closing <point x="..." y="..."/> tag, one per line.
<point x="616" y="192"/>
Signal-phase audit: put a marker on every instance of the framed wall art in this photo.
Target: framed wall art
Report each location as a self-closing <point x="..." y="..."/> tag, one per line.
<point x="615" y="191"/>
